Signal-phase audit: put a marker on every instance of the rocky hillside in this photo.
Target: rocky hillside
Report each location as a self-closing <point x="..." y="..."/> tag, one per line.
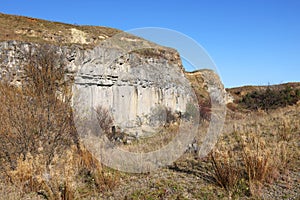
<point x="256" y="157"/>
<point x="129" y="76"/>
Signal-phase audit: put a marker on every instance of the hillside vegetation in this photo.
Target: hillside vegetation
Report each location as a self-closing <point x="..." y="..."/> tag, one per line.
<point x="265" y="97"/>
<point x="41" y="156"/>
<point x="34" y="30"/>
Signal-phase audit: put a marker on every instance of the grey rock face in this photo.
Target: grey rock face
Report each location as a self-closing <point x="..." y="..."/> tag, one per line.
<point x="11" y="56"/>
<point x="130" y="85"/>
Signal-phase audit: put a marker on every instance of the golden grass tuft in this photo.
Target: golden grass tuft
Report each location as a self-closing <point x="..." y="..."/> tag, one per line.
<point x="258" y="149"/>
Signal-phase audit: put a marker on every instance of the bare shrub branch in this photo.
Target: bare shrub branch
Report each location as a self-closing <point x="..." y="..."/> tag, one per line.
<point x="36" y="116"/>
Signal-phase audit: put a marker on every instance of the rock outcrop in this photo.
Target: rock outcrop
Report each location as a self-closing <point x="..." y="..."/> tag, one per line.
<point x="129" y="76"/>
<point x="207" y="84"/>
<point x="132" y="86"/>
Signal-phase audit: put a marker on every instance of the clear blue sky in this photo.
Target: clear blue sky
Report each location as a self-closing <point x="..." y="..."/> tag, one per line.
<point x="252" y="42"/>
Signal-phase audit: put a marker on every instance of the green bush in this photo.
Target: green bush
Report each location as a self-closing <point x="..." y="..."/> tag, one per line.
<point x="270" y="98"/>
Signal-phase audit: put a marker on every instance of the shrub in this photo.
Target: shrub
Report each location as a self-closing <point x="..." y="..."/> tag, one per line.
<point x="37" y="114"/>
<point x="39" y="147"/>
<point x="104" y="119"/>
<point x="270" y="98"/>
<point x="162" y="116"/>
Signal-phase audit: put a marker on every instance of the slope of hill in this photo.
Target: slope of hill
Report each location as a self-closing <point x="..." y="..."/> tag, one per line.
<point x="29" y="29"/>
<point x="239" y="92"/>
<point x="264" y="97"/>
<point x="257" y="156"/>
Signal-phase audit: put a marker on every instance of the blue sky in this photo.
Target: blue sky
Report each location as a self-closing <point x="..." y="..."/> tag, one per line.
<point x="252" y="42"/>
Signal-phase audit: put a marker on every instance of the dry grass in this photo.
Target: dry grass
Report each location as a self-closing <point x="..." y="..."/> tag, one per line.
<point x="33" y="30"/>
<point x="260" y="150"/>
<point x="71" y="176"/>
<point x="9" y="191"/>
<point x="256" y="151"/>
<point x="226" y="171"/>
<point x="256" y="157"/>
<point x="154" y="142"/>
<point x="40" y="151"/>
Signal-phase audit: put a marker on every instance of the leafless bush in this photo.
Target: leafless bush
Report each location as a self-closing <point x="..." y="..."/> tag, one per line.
<point x="104" y="119"/>
<point x="39" y="147"/>
<point x="35" y="119"/>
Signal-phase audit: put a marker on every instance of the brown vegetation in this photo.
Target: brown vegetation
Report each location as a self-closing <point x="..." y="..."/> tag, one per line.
<point x="41" y="157"/>
<point x="40" y="152"/>
<point x="28" y="29"/>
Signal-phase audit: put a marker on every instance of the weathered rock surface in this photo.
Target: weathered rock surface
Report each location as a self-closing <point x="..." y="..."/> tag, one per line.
<point x="207" y="84"/>
<point x="130" y="85"/>
<point x="131" y="77"/>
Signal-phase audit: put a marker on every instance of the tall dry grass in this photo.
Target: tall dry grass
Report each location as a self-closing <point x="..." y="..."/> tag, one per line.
<point x="256" y="151"/>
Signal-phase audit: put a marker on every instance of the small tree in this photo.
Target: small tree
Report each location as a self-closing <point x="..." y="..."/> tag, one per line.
<point x="36" y="117"/>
